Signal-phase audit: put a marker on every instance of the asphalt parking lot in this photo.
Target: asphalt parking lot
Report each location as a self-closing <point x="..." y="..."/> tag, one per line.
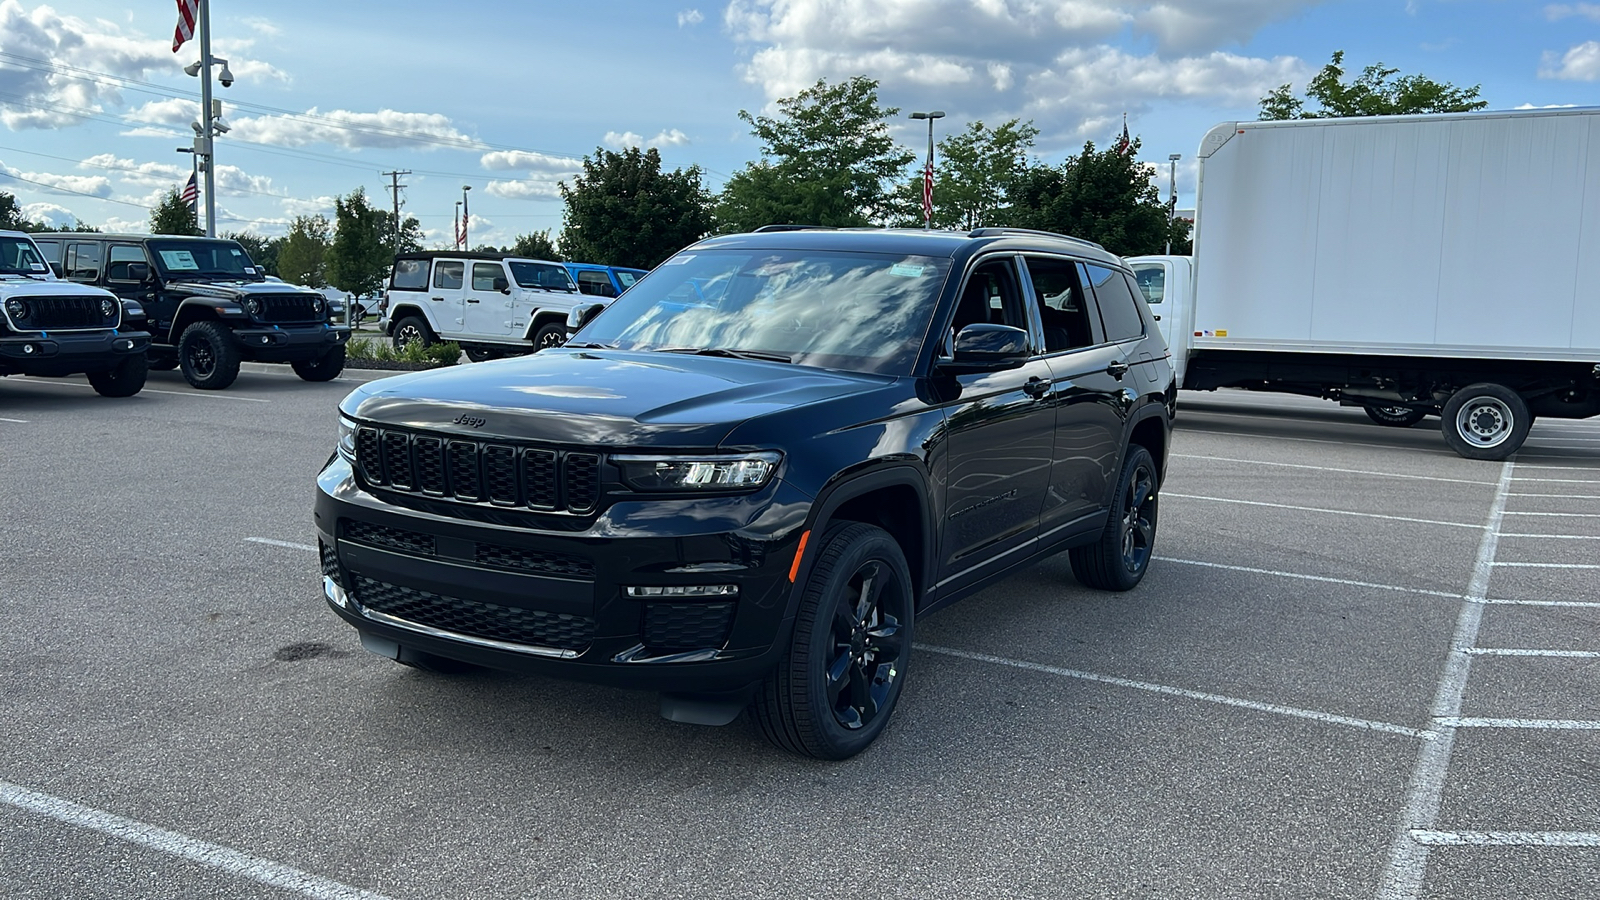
<point x="1360" y="667"/>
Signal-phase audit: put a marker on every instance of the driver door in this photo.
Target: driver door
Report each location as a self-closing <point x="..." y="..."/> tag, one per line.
<point x="488" y="308"/>
<point x="447" y="298"/>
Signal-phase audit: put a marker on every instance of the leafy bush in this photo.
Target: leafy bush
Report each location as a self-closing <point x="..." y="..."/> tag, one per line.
<point x="382" y="350"/>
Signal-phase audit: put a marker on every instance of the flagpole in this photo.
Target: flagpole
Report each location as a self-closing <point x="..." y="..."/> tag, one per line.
<point x="206" y="133"/>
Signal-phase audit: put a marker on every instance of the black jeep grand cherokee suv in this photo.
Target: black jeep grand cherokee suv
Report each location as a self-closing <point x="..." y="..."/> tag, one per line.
<point x="743" y="481"/>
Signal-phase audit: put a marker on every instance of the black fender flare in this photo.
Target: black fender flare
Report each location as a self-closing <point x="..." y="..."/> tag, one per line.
<point x="195" y="308"/>
<point x="407" y="309"/>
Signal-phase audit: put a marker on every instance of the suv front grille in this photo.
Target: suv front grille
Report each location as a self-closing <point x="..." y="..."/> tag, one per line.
<point x="410" y="542"/>
<point x="484" y="472"/>
<point x="529" y="627"/>
<point x="46" y="313"/>
<point x="680" y="627"/>
<point x="288" y="308"/>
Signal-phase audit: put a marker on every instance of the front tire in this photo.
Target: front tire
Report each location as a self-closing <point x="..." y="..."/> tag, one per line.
<point x="123" y="380"/>
<point x="1395" y="416"/>
<point x="412" y="330"/>
<point x="1118" y="560"/>
<point x="477" y="354"/>
<point x="552" y="334"/>
<point x="1485" y="421"/>
<point x="208" y="357"/>
<point x="834" y="690"/>
<point x="324" y="368"/>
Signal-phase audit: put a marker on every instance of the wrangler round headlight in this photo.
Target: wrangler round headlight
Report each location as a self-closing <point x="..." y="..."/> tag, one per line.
<point x="733" y="472"/>
<point x="252" y="306"/>
<point x="16" y="308"/>
<point x="321" y="306"/>
<point x="108" y="308"/>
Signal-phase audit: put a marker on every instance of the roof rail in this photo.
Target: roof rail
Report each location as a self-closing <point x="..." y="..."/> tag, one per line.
<point x="999" y="231"/>
<point x="766" y="229"/>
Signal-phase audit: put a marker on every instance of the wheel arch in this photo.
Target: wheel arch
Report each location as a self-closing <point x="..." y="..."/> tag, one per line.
<point x="1151" y="432"/>
<point x="894" y="498"/>
<point x="406" y="310"/>
<point x="542" y="317"/>
<point x="189" y="312"/>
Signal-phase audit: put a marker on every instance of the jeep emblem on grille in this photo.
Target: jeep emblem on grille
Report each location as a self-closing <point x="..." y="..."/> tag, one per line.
<point x="470" y="421"/>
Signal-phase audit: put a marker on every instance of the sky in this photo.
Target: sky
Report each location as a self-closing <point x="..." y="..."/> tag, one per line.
<point x="508" y="97"/>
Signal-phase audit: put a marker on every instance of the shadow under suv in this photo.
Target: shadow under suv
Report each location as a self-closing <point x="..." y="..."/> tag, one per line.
<point x="742" y="482"/>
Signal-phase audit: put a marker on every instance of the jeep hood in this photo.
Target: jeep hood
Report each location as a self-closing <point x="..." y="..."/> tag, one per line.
<point x="237" y="290"/>
<point x="600" y="398"/>
<point x="21" y="286"/>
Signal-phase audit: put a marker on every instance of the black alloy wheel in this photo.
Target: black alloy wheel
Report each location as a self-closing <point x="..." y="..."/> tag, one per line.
<point x="553" y="334"/>
<point x="412" y="330"/>
<point x="1118" y="560"/>
<point x="208" y="357"/>
<point x="478" y="354"/>
<point x="124" y="379"/>
<point x="1395" y="416"/>
<point x="834" y="691"/>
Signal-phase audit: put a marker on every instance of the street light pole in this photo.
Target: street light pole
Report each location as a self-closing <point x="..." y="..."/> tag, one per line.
<point x="207" y="133"/>
<point x="927" y="174"/>
<point x="466" y="218"/>
<point x="457" y="222"/>
<point x="1172" y="191"/>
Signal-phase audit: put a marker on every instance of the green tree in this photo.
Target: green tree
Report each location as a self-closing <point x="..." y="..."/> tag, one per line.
<point x="361" y="252"/>
<point x="173" y="216"/>
<point x="1375" y="92"/>
<point x="622" y="210"/>
<point x="11" y="217"/>
<point x="262" y="251"/>
<point x="537" y="245"/>
<point x="410" y="237"/>
<point x="303" y="254"/>
<point x="1103" y="196"/>
<point x="975" y="170"/>
<point x="826" y="159"/>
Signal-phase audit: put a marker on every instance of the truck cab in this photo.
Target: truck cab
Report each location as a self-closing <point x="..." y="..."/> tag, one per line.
<point x="1165" y="283"/>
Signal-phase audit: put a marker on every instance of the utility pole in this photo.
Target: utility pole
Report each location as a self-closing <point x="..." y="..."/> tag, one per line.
<point x="395" y="186"/>
<point x="1172" y="191"/>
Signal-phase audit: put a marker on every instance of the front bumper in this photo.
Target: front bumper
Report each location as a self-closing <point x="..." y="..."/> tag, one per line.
<point x="285" y="343"/>
<point x="548" y="593"/>
<point x="68" y="352"/>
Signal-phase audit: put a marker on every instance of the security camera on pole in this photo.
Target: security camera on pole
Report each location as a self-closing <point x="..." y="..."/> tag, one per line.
<point x="195" y="16"/>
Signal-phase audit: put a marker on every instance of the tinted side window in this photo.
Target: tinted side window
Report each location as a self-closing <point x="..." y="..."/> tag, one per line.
<point x="1152" y="278"/>
<point x="83" y="262"/>
<point x="1115" y="299"/>
<point x="1061" y="308"/>
<point x="484" y="274"/>
<point x="596" y="283"/>
<point x="120" y="261"/>
<point x="992" y="296"/>
<point x="410" y="275"/>
<point x="448" y="275"/>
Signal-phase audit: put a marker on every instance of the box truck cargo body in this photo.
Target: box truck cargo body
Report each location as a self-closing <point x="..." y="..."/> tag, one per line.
<point x="1414" y="265"/>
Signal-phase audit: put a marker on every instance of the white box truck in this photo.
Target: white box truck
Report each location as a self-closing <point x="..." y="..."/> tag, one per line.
<point x="1441" y="265"/>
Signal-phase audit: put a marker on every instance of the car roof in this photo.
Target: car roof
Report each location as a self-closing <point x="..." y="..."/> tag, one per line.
<point x="452" y="254"/>
<point x="912" y="242"/>
<point x="125" y="236"/>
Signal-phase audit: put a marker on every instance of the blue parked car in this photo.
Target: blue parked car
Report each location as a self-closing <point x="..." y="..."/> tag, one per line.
<point x="603" y="281"/>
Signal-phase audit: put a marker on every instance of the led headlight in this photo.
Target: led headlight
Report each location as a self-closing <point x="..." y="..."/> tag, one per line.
<point x="108" y="308"/>
<point x="17" y="308"/>
<point x="347" y="438"/>
<point x="252" y="306"/>
<point x="321" y="306"/>
<point x="745" y="471"/>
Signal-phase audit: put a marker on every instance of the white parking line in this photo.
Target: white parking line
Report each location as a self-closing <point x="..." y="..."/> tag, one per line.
<point x="1578" y="603"/>
<point x="204" y="853"/>
<point x="1408" y="860"/>
<point x="1278" y="437"/>
<point x="150" y="390"/>
<point x="1322" y="578"/>
<point x="1258" y="462"/>
<point x="1507" y="838"/>
<point x="1555" y="724"/>
<point x="1296" y="712"/>
<point x="15" y="421"/>
<point x="1533" y="565"/>
<point x="1539" y="467"/>
<point x="1562" y="480"/>
<point x="1565" y="496"/>
<point x="1509" y="651"/>
<point x="1554" y="537"/>
<point x="1316" y="509"/>
<point x="1557" y="515"/>
<point x="287" y="544"/>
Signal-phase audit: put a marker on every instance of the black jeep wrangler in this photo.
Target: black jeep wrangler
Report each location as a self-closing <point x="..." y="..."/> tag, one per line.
<point x="209" y="307"/>
<point x="743" y="481"/>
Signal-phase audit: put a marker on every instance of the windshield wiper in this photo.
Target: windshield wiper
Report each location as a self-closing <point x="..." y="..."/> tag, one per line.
<point x="731" y="354"/>
<point x="590" y="345"/>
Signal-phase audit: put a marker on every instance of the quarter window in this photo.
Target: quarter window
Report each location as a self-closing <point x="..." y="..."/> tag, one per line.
<point x="410" y="275"/>
<point x="1062" y="309"/>
<point x="1118" y="313"/>
<point x="448" y="275"/>
<point x="484" y="274"/>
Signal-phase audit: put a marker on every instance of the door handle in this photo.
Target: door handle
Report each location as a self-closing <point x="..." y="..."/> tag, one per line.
<point x="1117" y="369"/>
<point x="1036" y="387"/>
<point x="1157" y="318"/>
<point x="471" y="300"/>
<point x="438" y="299"/>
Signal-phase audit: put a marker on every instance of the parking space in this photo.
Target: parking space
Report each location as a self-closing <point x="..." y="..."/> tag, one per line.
<point x="1360" y="667"/>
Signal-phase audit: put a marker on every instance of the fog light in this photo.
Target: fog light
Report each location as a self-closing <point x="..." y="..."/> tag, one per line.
<point x="266" y="339"/>
<point x="684" y="590"/>
<point x="29" y="349"/>
<point x="122" y="344"/>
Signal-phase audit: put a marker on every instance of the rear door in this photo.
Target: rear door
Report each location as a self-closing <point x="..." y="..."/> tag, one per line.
<point x="488" y="308"/>
<point x="447" y="298"/>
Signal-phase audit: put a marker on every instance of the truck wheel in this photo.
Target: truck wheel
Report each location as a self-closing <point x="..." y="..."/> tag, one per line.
<point x="208" y="357"/>
<point x="833" y="691"/>
<point x="324" y="368"/>
<point x="412" y="330"/>
<point x="478" y="354"/>
<point x="1395" y="416"/>
<point x="1118" y="559"/>
<point x="552" y="334"/>
<point x="1485" y="421"/>
<point x="123" y="380"/>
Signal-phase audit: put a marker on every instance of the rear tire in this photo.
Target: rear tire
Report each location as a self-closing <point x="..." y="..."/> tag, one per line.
<point x="324" y="368"/>
<point x="1485" y="421"/>
<point x="413" y="330"/>
<point x="123" y="380"/>
<point x="833" y="692"/>
<point x="1395" y="416"/>
<point x="208" y="357"/>
<point x="1118" y="560"/>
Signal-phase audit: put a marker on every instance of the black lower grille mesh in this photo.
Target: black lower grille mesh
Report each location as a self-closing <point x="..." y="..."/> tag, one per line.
<point x="676" y="627"/>
<point x="559" y="564"/>
<point x="400" y="539"/>
<point x="536" y="628"/>
<point x="330" y="563"/>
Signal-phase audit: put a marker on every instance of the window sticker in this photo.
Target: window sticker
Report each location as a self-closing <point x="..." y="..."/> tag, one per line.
<point x="907" y="271"/>
<point x="249" y="270"/>
<point x="679" y="259"/>
<point x="236" y="252"/>
<point x="179" y="260"/>
<point x="37" y="267"/>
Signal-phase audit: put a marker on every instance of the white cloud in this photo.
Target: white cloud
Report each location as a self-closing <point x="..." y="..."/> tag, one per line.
<point x="171" y="111"/>
<point x="230" y="179"/>
<point x="1555" y="12"/>
<point x="386" y="128"/>
<point x="670" y="137"/>
<point x="524" y="190"/>
<point x="119" y="225"/>
<point x="507" y="160"/>
<point x="690" y="17"/>
<point x="294" y="206"/>
<point x="49" y="213"/>
<point x="1581" y="63"/>
<point x="622" y="140"/>
<point x="90" y="185"/>
<point x="1544" y="106"/>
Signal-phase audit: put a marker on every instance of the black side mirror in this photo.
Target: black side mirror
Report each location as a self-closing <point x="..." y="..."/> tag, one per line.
<point x="139" y="272"/>
<point x="501" y="285"/>
<point x="581" y="314"/>
<point x="984" y="347"/>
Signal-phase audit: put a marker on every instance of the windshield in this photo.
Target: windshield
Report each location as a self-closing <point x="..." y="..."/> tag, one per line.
<point x="205" y="259"/>
<point x="19" y="257"/>
<point x="865" y="312"/>
<point x="548" y="276"/>
<point x="1152" y="278"/>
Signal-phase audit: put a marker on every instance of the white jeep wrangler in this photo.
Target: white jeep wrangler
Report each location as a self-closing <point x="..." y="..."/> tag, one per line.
<point x="490" y="304"/>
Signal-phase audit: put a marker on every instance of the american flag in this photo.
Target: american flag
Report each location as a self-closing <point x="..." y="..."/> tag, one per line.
<point x="927" y="192"/>
<point x="191" y="191"/>
<point x="187" y="11"/>
<point x="1124" y="143"/>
